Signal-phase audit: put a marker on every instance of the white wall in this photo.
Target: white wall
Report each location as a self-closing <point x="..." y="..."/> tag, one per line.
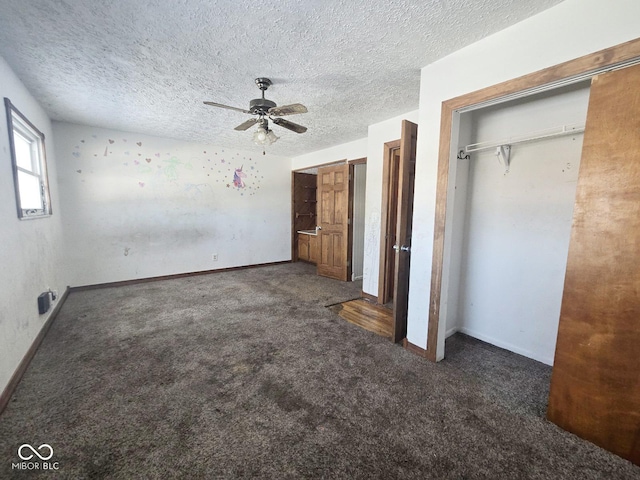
<point x="564" y="32"/>
<point x="379" y="134"/>
<point x="348" y="151"/>
<point x="457" y="223"/>
<point x="31" y="253"/>
<point x="518" y="224"/>
<point x="359" y="204"/>
<point x="139" y="206"/>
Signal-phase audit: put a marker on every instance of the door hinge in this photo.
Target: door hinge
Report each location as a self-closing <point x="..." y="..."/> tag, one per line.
<point x="348" y="263"/>
<point x="348" y="221"/>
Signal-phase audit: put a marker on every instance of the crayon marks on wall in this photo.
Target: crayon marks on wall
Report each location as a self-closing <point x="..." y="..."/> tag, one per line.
<point x="146" y="167"/>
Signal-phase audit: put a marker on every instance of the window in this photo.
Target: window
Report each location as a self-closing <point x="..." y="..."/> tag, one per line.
<point x="26" y="143"/>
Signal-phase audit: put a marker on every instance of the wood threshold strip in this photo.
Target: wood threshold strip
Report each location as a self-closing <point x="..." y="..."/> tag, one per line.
<point x="7" y="393"/>
<point x="588" y="63"/>
<point x="371" y="317"/>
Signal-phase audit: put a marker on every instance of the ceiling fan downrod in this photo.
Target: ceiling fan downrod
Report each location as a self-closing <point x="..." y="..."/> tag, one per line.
<point x="261" y="106"/>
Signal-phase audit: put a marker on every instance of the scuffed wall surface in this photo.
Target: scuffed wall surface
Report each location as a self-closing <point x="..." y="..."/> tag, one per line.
<point x="31" y="253"/>
<point x="141" y="206"/>
<point x="379" y="134"/>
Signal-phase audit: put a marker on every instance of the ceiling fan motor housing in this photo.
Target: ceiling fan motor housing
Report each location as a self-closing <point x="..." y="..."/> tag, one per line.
<point x="260" y="105"/>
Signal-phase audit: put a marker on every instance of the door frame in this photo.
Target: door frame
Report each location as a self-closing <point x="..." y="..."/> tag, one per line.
<point x="576" y="70"/>
<point x="387" y="261"/>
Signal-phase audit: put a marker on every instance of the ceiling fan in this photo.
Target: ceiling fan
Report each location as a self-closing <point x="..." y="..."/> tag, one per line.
<point x="266" y="110"/>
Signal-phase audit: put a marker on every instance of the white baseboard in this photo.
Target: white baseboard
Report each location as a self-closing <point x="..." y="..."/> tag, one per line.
<point x="450" y="332"/>
<point x="507" y="346"/>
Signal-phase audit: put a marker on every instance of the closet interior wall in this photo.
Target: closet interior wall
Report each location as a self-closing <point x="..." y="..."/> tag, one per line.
<point x="511" y="230"/>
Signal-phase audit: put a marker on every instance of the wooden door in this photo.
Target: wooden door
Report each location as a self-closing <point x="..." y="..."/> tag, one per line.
<point x="595" y="385"/>
<point x="406" y="181"/>
<point x="334" y="252"/>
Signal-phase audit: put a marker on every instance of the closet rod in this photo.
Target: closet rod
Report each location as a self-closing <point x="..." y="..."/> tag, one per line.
<point x="549" y="133"/>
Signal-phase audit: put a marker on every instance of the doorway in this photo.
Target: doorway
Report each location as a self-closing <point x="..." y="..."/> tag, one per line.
<point x="511" y="220"/>
<point x="303" y="209"/>
<point x="390" y="172"/>
<point x="544" y="80"/>
<point x="396" y="226"/>
<point x="306" y="216"/>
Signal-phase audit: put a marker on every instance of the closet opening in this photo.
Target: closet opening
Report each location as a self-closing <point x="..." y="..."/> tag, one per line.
<point x="511" y="219"/>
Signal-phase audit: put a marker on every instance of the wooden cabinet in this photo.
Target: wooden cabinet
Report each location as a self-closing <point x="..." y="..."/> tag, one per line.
<point x="313" y="249"/>
<point x="303" y="208"/>
<point x="303" y="247"/>
<point x="308" y="248"/>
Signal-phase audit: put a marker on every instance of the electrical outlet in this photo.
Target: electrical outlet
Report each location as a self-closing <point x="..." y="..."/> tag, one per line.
<point x="214" y="257"/>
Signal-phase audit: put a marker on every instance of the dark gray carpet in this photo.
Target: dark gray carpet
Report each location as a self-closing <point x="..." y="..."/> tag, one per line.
<point x="246" y="374"/>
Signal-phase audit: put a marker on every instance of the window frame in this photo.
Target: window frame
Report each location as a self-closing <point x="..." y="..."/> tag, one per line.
<point x="19" y="124"/>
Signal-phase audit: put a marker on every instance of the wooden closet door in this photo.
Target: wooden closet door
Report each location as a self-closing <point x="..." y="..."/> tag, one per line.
<point x="595" y="385"/>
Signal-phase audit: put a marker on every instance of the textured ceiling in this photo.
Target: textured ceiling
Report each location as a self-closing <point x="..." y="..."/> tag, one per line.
<point x="146" y="65"/>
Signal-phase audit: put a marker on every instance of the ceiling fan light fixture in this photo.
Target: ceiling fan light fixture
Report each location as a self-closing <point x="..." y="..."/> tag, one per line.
<point x="260" y="136"/>
<point x="264" y="136"/>
<point x="272" y="137"/>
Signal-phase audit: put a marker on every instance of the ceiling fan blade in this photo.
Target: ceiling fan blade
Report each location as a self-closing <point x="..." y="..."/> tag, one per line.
<point x="288" y="110"/>
<point x="245" y="125"/>
<point x="294" y="127"/>
<point x="214" y="104"/>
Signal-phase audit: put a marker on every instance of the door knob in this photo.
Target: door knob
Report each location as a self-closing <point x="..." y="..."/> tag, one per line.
<point x="403" y="248"/>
